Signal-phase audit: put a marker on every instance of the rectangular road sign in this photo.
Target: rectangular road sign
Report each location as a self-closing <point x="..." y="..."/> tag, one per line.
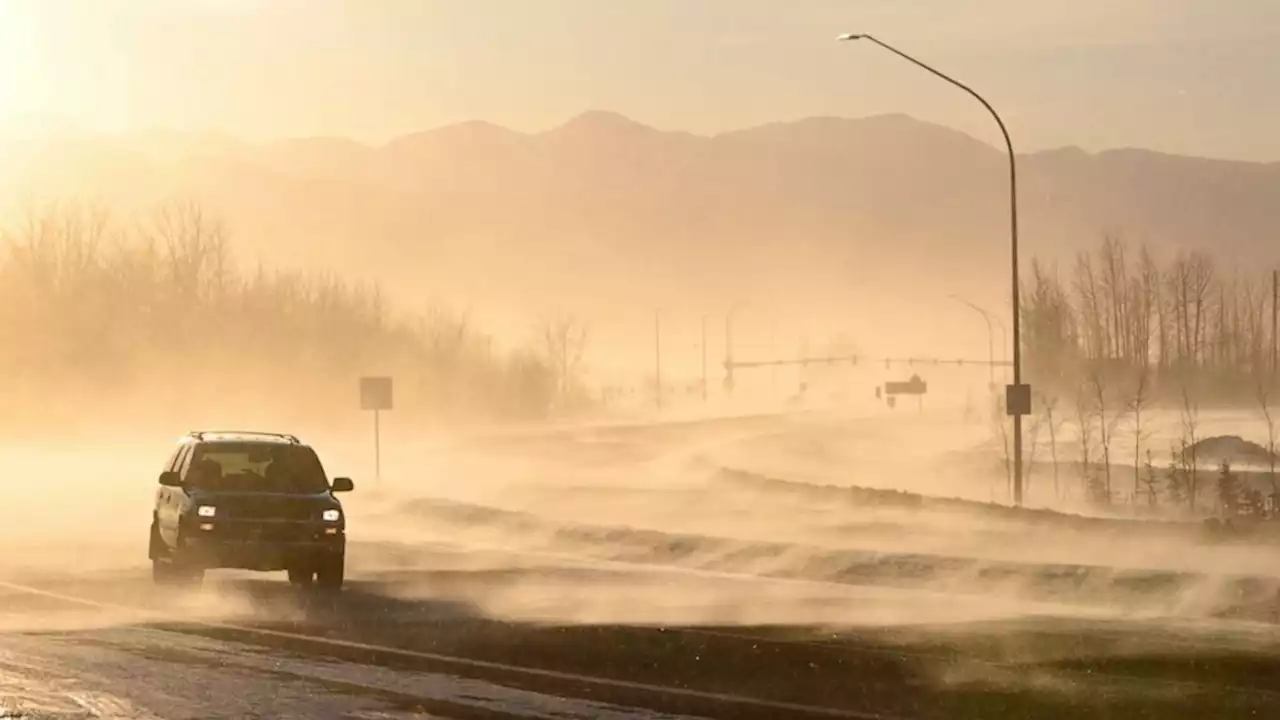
<point x="375" y="393"/>
<point x="1017" y="399"/>
<point x="914" y="386"/>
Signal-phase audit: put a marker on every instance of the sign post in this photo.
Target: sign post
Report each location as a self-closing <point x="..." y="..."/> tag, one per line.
<point x="375" y="395"/>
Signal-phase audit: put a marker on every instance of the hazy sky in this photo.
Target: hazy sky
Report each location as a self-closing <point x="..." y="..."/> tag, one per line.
<point x="1190" y="76"/>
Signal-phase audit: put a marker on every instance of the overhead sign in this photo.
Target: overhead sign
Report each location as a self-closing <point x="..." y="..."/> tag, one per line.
<point x="375" y="393"/>
<point x="914" y="386"/>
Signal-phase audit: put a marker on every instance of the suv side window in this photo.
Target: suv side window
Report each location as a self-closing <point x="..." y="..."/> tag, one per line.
<point x="183" y="461"/>
<point x="172" y="462"/>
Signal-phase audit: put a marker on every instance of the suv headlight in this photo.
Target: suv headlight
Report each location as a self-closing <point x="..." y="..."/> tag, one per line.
<point x="207" y="511"/>
<point x="331" y="515"/>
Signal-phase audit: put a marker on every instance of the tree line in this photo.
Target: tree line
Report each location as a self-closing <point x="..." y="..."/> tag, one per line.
<point x="95" y="312"/>
<point x="1117" y="333"/>
<point x="1117" y="312"/>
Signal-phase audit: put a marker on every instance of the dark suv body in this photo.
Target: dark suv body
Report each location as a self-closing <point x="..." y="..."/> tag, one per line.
<point x="254" y="501"/>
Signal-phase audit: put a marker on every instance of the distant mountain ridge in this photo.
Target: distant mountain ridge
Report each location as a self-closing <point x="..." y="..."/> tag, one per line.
<point x="605" y="211"/>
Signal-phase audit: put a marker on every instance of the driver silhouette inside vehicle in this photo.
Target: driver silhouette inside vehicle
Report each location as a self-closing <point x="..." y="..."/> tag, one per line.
<point x="207" y="474"/>
<point x="279" y="477"/>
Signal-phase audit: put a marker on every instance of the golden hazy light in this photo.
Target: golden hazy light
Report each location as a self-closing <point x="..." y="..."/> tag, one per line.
<point x="18" y="71"/>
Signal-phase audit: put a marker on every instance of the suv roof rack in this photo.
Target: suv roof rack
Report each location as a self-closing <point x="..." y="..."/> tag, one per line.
<point x="200" y="434"/>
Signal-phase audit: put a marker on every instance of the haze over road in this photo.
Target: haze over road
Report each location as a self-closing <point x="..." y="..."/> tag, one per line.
<point x="623" y="573"/>
<point x="642" y="360"/>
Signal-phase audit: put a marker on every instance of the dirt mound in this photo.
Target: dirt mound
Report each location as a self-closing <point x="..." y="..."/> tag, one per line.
<point x="1231" y="449"/>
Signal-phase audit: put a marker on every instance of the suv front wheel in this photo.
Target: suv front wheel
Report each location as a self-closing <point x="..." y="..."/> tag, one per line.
<point x="329" y="572"/>
<point x="301" y="575"/>
<point x="166" y="569"/>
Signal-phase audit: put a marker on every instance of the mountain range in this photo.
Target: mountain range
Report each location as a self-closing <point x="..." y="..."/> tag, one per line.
<point x="821" y="217"/>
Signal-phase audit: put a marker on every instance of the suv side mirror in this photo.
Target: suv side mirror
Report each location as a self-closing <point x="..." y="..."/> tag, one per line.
<point x="169" y="478"/>
<point x="342" y="484"/>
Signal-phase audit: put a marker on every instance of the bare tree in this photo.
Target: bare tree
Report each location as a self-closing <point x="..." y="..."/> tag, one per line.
<point x="1177" y="484"/>
<point x="1254" y="336"/>
<point x="58" y="247"/>
<point x="1115" y="291"/>
<point x="1053" y="423"/>
<point x="1084" y="413"/>
<point x="1150" y="480"/>
<point x="1190" y="428"/>
<point x="998" y="417"/>
<point x="196" y="250"/>
<point x="1262" y="393"/>
<point x="1178" y="278"/>
<point x="564" y="342"/>
<point x="1107" y="424"/>
<point x="1137" y="403"/>
<point x="1201" y="286"/>
<point x="1092" y="322"/>
<point x="1146" y="290"/>
<point x="1049" y="327"/>
<point x="1159" y="305"/>
<point x="1033" y="442"/>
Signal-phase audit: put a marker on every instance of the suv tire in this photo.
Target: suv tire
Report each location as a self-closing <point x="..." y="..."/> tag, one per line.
<point x="155" y="545"/>
<point x="330" y="573"/>
<point x="301" y="575"/>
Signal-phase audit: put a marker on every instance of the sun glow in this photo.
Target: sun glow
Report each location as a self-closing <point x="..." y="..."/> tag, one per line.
<point x="18" y="61"/>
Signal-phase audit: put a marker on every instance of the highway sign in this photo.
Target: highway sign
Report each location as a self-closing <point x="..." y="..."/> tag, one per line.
<point x="375" y="393"/>
<point x="1017" y="399"/>
<point x="914" y="386"/>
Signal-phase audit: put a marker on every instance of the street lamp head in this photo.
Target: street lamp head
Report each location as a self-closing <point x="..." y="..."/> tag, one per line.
<point x="852" y="36"/>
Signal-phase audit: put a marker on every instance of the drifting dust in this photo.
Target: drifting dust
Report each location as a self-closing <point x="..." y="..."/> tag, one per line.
<point x="126" y="604"/>
<point x="656" y="531"/>
<point x="739" y="521"/>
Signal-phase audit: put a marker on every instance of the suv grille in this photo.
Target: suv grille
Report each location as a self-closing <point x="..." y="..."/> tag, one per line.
<point x="267" y="508"/>
<point x="266" y="531"/>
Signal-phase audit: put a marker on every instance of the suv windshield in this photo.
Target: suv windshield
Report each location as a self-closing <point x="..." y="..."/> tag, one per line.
<point x="257" y="467"/>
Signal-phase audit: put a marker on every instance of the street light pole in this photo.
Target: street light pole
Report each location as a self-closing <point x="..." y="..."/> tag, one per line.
<point x="657" y="358"/>
<point x="728" y="348"/>
<point x="991" y="350"/>
<point x="704" y="358"/>
<point x="1017" y="396"/>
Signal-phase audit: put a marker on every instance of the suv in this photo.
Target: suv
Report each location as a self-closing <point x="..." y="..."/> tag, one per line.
<point x="248" y="500"/>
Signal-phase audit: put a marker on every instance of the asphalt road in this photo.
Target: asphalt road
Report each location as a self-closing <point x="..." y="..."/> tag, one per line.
<point x="243" y="646"/>
<point x="607" y="604"/>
